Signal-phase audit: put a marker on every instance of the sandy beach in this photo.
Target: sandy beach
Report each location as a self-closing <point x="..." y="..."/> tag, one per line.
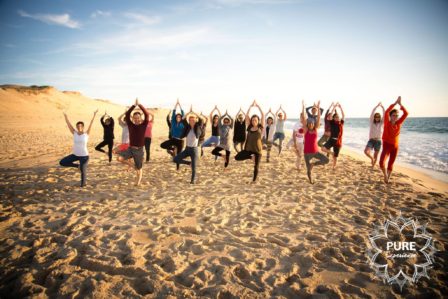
<point x="221" y="238"/>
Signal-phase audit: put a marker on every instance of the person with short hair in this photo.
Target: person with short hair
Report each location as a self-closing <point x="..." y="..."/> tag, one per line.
<point x="137" y="128"/>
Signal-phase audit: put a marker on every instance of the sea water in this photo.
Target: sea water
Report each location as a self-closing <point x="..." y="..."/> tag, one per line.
<point x="423" y="140"/>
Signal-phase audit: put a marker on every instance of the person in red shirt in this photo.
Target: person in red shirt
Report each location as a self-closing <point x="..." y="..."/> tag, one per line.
<point x="148" y="136"/>
<point x="391" y="134"/>
<point x="137" y="127"/>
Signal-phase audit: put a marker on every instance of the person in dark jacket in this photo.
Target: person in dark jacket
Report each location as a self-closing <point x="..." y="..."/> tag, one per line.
<point x="108" y="138"/>
<point x="239" y="131"/>
<point x="192" y="131"/>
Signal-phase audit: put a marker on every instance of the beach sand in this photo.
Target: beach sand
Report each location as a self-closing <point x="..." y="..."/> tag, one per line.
<point x="221" y="238"/>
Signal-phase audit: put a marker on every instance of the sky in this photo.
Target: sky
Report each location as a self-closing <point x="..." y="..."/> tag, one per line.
<point x="230" y="52"/>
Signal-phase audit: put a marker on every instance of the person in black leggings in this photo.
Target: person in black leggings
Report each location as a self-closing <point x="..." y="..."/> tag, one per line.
<point x="253" y="146"/>
<point x="239" y="131"/>
<point x="108" y="137"/>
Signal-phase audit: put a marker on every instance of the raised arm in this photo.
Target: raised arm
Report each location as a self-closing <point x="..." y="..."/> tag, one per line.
<point x="308" y="110"/>
<point x="372" y="115"/>
<point x="69" y="125"/>
<point x="342" y="112"/>
<point x="102" y="120"/>
<point x="405" y="112"/>
<point x="91" y="122"/>
<point x="247" y="118"/>
<point x="127" y="117"/>
<point x="284" y="113"/>
<point x="121" y="119"/>
<point x="263" y="121"/>
<point x="328" y="110"/>
<point x="302" y="116"/>
<point x="319" y="111"/>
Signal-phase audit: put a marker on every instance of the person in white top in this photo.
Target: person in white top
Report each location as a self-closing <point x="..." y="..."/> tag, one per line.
<point x="124" y="135"/>
<point x="375" y="134"/>
<point x="298" y="140"/>
<point x="267" y="136"/>
<point x="80" y="152"/>
<point x="280" y="118"/>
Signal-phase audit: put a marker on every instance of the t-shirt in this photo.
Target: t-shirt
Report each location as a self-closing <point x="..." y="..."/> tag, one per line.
<point x="80" y="144"/>
<point x="148" y="132"/>
<point x="125" y="133"/>
<point x="192" y="140"/>
<point x="279" y="126"/>
<point x="299" y="133"/>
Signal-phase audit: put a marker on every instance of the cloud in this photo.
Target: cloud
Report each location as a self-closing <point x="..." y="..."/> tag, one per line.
<point x="100" y="13"/>
<point x="143" y="19"/>
<point x="61" y="20"/>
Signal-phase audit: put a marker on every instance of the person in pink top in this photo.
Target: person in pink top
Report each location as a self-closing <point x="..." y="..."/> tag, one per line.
<point x="148" y="136"/>
<point x="310" y="148"/>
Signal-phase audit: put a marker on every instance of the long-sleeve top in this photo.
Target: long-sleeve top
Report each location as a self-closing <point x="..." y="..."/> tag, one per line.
<point x="108" y="129"/>
<point x="177" y="127"/>
<point x="310" y="114"/>
<point x="327" y="127"/>
<point x="224" y="130"/>
<point x="391" y="131"/>
<point x="136" y="132"/>
<point x="239" y="133"/>
<point x="376" y="129"/>
<point x="168" y="122"/>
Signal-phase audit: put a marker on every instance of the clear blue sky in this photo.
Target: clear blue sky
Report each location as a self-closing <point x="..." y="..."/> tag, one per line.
<point x="228" y="52"/>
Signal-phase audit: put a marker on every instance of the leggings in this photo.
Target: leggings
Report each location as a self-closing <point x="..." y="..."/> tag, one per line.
<point x="191" y="152"/>
<point x="171" y="144"/>
<point x="235" y="145"/>
<point x="389" y="150"/>
<point x="83" y="161"/>
<point x="216" y="152"/>
<point x="110" y="145"/>
<point x="147" y="147"/>
<point x="245" y="155"/>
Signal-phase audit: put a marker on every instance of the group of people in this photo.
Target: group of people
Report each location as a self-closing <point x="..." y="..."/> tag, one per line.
<point x="252" y="133"/>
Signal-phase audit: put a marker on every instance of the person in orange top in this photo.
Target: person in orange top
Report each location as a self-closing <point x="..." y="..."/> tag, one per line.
<point x="391" y="134"/>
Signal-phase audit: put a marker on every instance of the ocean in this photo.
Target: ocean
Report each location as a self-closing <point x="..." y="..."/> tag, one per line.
<point x="423" y="141"/>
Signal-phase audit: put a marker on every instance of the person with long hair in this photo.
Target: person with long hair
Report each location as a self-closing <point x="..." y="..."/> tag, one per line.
<point x="239" y="131"/>
<point x="108" y="136"/>
<point x="267" y="138"/>
<point x="80" y="152"/>
<point x="148" y="136"/>
<point x="175" y="144"/>
<point x="391" y="135"/>
<point x="192" y="131"/>
<point x="336" y="127"/>
<point x="204" y="128"/>
<point x="311" y="148"/>
<point x="124" y="134"/>
<point x="137" y="127"/>
<point x="253" y="147"/>
<point x="298" y="133"/>
<point x="327" y="127"/>
<point x="375" y="134"/>
<point x="225" y="126"/>
<point x="215" y="138"/>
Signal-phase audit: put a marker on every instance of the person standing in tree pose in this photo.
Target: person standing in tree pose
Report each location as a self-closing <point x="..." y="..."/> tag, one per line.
<point x="239" y="132"/>
<point x="268" y="133"/>
<point x="124" y="134"/>
<point x="148" y="136"/>
<point x="204" y="127"/>
<point x="137" y="128"/>
<point x="298" y="140"/>
<point x="279" y="128"/>
<point x="175" y="144"/>
<point x="311" y="112"/>
<point x="80" y="152"/>
<point x="225" y="126"/>
<point x="214" y="139"/>
<point x="192" y="131"/>
<point x="327" y="128"/>
<point x="168" y="122"/>
<point x="335" y="141"/>
<point x="253" y="147"/>
<point x="391" y="135"/>
<point x="375" y="134"/>
<point x="311" y="149"/>
<point x="108" y="137"/>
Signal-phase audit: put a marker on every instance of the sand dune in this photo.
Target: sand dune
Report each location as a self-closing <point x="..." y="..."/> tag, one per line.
<point x="221" y="238"/>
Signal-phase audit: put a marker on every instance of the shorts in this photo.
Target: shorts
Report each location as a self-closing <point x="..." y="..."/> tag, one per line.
<point x="136" y="153"/>
<point x="374" y="144"/>
<point x="279" y="135"/>
<point x="331" y="143"/>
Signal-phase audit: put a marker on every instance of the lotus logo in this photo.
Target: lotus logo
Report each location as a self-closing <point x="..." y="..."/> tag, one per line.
<point x="401" y="251"/>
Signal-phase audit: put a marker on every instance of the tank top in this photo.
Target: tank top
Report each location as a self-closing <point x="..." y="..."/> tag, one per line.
<point x="310" y="146"/>
<point x="215" y="130"/>
<point x="253" y="142"/>
<point x="80" y="144"/>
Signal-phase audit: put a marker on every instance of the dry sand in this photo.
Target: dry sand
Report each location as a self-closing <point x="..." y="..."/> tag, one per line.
<point x="220" y="238"/>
